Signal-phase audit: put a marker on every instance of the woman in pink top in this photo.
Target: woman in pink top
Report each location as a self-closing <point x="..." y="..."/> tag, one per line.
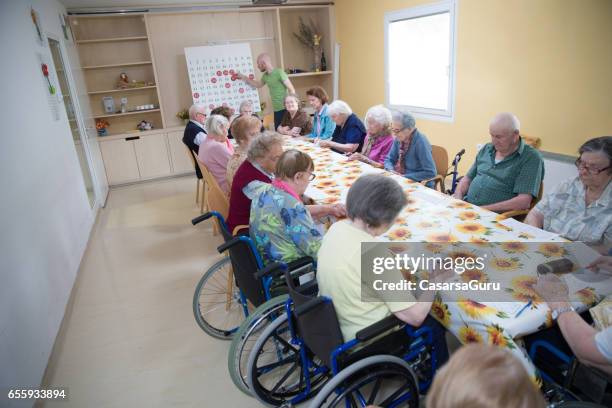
<point x="216" y="150"/>
<point x="379" y="139"/>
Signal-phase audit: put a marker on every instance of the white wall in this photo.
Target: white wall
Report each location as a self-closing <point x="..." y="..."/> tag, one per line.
<point x="45" y="218"/>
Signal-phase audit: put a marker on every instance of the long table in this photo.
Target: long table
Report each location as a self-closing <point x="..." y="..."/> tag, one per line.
<point x="434" y="217"/>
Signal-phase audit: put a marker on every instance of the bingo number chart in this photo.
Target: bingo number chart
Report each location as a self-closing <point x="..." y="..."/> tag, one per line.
<point x="212" y="74"/>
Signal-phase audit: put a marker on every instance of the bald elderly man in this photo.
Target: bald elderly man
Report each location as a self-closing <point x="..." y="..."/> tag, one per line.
<point x="278" y="83"/>
<point x="507" y="172"/>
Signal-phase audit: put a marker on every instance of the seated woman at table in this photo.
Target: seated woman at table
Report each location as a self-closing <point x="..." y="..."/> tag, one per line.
<point x="322" y="125"/>
<point x="372" y="204"/>
<point x="580" y="209"/>
<point x="244" y="129"/>
<point x="295" y="121"/>
<point x="216" y="150"/>
<point x="379" y="139"/>
<point x="280" y="225"/>
<point x="410" y="154"/>
<point x="349" y="133"/>
<point x="483" y="376"/>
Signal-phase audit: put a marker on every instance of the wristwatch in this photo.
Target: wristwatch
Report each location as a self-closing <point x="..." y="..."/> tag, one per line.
<point x="558" y="312"/>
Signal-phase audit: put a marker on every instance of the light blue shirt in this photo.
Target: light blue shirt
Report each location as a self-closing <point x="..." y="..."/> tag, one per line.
<point x="322" y="125"/>
<point x="418" y="160"/>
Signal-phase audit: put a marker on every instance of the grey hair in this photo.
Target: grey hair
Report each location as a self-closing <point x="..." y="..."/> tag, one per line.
<point x="601" y="144"/>
<point x="508" y="121"/>
<point x="404" y="118"/>
<point x="244" y="104"/>
<point x="339" y="107"/>
<point x="375" y="200"/>
<point x="215" y="124"/>
<point x="196" y="108"/>
<point x="379" y="114"/>
<point x="294" y="96"/>
<point x="259" y="147"/>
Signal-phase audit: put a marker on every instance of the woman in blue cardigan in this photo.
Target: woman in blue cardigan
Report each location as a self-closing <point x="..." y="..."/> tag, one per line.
<point x="410" y="154"/>
<point x="322" y="126"/>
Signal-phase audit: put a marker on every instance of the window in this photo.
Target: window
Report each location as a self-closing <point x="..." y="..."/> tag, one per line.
<point x="420" y="60"/>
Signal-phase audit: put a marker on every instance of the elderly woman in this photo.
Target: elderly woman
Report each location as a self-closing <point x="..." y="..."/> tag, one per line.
<point x="245" y="108"/>
<point x="216" y="150"/>
<point x="410" y="154"/>
<point x="349" y="133"/>
<point x="244" y="129"/>
<point x="262" y="154"/>
<point x="580" y="209"/>
<point x="379" y="139"/>
<point x="280" y="224"/>
<point x="322" y="127"/>
<point x="295" y="121"/>
<point x="372" y="204"/>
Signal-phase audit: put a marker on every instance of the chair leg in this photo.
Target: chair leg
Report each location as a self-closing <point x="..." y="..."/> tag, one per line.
<point x="197" y="190"/>
<point x="204" y="202"/>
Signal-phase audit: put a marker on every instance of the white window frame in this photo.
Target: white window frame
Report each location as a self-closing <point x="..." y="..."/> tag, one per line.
<point x="449" y="6"/>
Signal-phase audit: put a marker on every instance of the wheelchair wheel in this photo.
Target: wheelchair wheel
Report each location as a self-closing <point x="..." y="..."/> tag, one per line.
<point x="275" y="371"/>
<point x="382" y="380"/>
<point x="217" y="306"/>
<point x="246" y="336"/>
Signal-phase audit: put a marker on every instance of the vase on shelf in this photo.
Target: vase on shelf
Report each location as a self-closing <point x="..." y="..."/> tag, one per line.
<point x="318" y="52"/>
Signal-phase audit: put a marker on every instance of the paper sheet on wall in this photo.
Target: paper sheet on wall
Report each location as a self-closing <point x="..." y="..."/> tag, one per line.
<point x="212" y="75"/>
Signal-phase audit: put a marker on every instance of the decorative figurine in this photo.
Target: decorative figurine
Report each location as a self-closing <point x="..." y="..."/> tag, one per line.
<point x="123" y="82"/>
<point x="144" y="125"/>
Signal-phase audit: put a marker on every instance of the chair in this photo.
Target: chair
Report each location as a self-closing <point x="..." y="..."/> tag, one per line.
<point x="268" y="120"/>
<point x="199" y="182"/>
<point x="216" y="200"/>
<point x="521" y="214"/>
<point x="440" y="157"/>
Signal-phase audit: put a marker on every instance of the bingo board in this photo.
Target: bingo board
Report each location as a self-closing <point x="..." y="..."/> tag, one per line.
<point x="212" y="74"/>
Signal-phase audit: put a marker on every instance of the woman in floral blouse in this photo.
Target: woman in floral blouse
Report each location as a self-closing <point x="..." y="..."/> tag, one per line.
<point x="280" y="224"/>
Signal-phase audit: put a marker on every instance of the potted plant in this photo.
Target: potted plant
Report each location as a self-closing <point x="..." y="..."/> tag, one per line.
<point x="101" y="126"/>
<point x="183" y="115"/>
<point x="310" y="36"/>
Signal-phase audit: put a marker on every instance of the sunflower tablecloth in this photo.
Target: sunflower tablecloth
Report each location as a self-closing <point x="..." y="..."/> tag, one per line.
<point x="436" y="218"/>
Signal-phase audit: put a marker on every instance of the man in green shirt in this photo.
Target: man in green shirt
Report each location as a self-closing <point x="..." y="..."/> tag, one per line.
<point x="507" y="173"/>
<point x="278" y="83"/>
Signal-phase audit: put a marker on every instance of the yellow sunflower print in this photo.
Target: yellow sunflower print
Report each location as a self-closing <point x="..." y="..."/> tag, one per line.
<point x="523" y="288"/>
<point x="469" y="335"/>
<point x="471" y="228"/>
<point x="549" y="250"/>
<point x="474" y="309"/>
<point x="497" y="337"/>
<point x="474" y="274"/>
<point x="469" y="215"/>
<point x="441" y="237"/>
<point x="587" y="296"/>
<point x="506" y="264"/>
<point x="440" y="312"/>
<point x="514" y="247"/>
<point x="460" y="204"/>
<point x="400" y="233"/>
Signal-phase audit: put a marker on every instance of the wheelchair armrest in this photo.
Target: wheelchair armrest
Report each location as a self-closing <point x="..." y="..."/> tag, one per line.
<point x="309" y="305"/>
<point x="228" y="244"/>
<point x="202" y="217"/>
<point x="309" y="288"/>
<point x="239" y="228"/>
<point x="299" y="263"/>
<point x="275" y="268"/>
<point x="379" y="327"/>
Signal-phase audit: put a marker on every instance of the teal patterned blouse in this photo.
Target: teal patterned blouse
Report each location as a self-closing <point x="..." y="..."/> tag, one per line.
<point x="280" y="225"/>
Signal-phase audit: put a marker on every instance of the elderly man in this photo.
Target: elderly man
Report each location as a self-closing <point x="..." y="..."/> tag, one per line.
<point x="507" y="172"/>
<point x="278" y="83"/>
<point x="194" y="131"/>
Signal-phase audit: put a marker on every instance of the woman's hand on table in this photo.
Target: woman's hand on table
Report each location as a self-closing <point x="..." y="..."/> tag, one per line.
<point x="356" y="156"/>
<point x="337" y="210"/>
<point x="324" y="143"/>
<point x="553" y="290"/>
<point x="603" y="262"/>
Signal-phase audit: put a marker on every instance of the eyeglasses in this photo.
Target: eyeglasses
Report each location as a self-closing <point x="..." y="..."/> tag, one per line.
<point x="312" y="176"/>
<point x="589" y="169"/>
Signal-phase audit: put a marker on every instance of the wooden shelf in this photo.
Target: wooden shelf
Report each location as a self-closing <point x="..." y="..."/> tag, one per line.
<point x="122" y="90"/>
<point x="127" y="64"/>
<point x="114" y="115"/>
<point x="305" y="74"/>
<point x="118" y="39"/>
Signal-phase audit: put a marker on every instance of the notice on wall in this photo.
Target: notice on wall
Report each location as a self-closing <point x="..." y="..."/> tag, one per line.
<point x="212" y="73"/>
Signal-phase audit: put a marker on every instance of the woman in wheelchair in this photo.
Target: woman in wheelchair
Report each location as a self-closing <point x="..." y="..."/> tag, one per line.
<point x="280" y="225"/>
<point x="372" y="203"/>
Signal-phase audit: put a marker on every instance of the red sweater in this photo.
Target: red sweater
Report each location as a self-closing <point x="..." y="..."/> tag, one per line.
<point x="240" y="205"/>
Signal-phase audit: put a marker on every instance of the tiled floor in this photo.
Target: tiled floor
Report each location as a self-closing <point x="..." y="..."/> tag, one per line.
<point x="130" y="339"/>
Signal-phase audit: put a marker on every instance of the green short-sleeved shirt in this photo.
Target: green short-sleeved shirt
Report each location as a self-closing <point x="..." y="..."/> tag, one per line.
<point x="519" y="173"/>
<point x="278" y="90"/>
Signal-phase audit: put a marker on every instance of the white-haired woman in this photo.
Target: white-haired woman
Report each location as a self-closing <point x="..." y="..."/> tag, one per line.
<point x="350" y="131"/>
<point x="216" y="150"/>
<point x="295" y="121"/>
<point x="379" y="139"/>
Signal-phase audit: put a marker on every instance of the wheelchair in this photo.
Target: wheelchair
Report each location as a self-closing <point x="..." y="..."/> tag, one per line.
<point x="301" y="355"/>
<point x="237" y="296"/>
<point x="567" y="383"/>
